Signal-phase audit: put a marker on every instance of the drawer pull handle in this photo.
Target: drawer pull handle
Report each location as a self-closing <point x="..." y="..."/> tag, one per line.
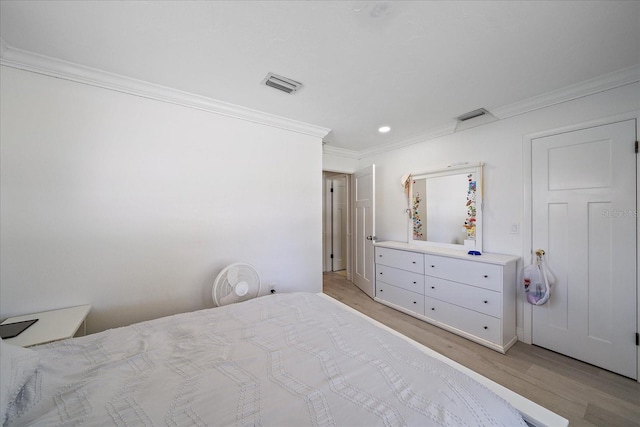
<point x="486" y="302"/>
<point x="415" y="283"/>
<point x="413" y="262"/>
<point x="433" y="287"/>
<point x="433" y="266"/>
<point x="380" y="273"/>
<point x="415" y="302"/>
<point x="485" y="276"/>
<point x="380" y="290"/>
<point x="486" y="327"/>
<point x="433" y="308"/>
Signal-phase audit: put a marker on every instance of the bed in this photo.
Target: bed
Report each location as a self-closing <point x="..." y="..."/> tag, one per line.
<point x="281" y="360"/>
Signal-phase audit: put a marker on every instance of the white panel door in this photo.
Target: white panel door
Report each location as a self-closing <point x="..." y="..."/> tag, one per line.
<point x="364" y="228"/>
<point x="584" y="217"/>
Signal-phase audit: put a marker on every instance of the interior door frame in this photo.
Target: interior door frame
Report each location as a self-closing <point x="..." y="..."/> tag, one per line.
<point x="526" y="334"/>
<point x="327" y="174"/>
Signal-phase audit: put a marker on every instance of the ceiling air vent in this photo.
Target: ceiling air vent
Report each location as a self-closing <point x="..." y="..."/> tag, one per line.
<point x="480" y="117"/>
<point x="282" y="83"/>
<point x="472" y="114"/>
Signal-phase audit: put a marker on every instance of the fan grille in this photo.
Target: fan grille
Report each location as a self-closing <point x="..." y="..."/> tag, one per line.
<point x="235" y="283"/>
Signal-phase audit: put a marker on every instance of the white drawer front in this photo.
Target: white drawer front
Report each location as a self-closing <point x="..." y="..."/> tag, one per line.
<point x="404" y="260"/>
<point x="404" y="279"/>
<point x="479" y="274"/>
<point x="478" y="299"/>
<point x="402" y="297"/>
<point x="472" y="322"/>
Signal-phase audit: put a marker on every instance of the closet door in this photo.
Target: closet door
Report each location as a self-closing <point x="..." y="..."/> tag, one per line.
<point x="584" y="218"/>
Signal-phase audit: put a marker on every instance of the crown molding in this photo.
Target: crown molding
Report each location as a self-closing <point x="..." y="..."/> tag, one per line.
<point x="36" y="63"/>
<point x="603" y="83"/>
<point x="29" y="61"/>
<point x="585" y="88"/>
<point x="426" y="136"/>
<point x="342" y="152"/>
<point x="435" y="133"/>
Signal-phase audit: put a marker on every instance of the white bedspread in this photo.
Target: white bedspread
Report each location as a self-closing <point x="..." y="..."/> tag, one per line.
<point x="280" y="360"/>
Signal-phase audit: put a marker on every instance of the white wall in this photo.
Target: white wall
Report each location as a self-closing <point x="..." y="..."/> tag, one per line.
<point x="134" y="205"/>
<point x="500" y="146"/>
<point x="333" y="162"/>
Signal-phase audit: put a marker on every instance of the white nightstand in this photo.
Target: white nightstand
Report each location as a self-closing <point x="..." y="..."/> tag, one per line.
<point x="51" y="326"/>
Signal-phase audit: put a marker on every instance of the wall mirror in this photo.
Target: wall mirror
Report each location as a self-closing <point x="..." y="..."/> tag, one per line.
<point x="445" y="207"/>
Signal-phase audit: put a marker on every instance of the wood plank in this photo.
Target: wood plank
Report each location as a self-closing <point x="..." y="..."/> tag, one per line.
<point x="582" y="393"/>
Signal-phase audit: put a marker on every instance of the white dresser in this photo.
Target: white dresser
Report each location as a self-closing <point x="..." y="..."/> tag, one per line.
<point x="472" y="296"/>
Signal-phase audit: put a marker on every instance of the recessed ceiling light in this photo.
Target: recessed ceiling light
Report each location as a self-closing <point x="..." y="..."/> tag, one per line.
<point x="384" y="129"/>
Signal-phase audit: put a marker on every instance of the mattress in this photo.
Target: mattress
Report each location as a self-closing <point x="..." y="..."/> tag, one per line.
<point x="280" y="360"/>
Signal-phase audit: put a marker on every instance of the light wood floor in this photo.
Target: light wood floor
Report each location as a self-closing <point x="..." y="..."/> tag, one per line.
<point x="582" y="393"/>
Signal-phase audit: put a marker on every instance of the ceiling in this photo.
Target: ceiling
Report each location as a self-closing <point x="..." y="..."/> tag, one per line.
<point x="411" y="65"/>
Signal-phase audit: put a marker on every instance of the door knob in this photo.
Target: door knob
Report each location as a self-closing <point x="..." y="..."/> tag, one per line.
<point x="372" y="238"/>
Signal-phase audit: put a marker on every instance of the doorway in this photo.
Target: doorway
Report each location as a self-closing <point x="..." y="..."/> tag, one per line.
<point x="336" y="222"/>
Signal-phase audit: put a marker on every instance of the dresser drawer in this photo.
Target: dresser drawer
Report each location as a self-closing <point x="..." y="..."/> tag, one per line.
<point x="402" y="297"/>
<point x="488" y="276"/>
<point x="408" y="280"/>
<point x="478" y="299"/>
<point x="404" y="260"/>
<point x="480" y="325"/>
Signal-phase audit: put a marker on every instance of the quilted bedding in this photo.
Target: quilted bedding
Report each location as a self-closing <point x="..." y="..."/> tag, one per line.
<point x="280" y="360"/>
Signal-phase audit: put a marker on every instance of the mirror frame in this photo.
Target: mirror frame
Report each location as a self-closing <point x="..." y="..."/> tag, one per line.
<point x="456" y="169"/>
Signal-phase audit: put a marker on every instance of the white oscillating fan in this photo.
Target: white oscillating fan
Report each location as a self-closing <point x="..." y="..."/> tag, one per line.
<point x="236" y="282"/>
